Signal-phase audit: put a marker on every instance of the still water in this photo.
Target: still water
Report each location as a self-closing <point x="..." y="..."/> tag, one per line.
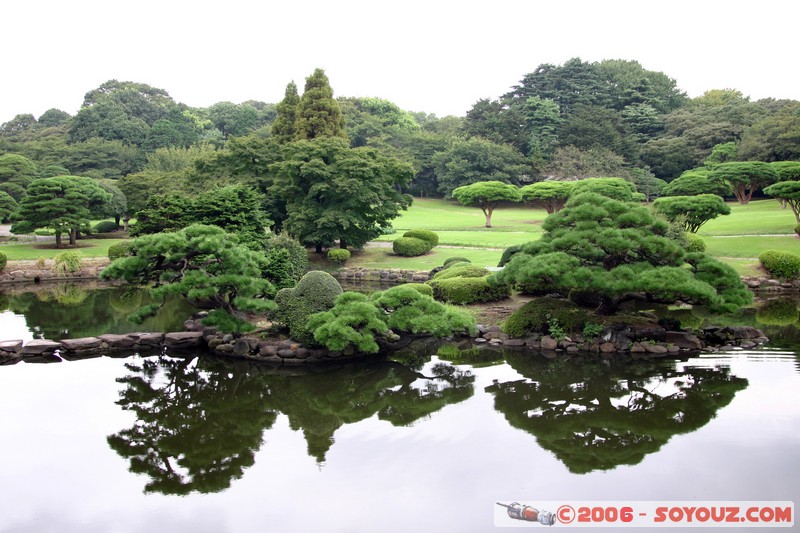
<point x="428" y="440"/>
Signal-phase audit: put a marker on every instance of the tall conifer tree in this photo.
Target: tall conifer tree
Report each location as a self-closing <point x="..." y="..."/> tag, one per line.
<point x="283" y="129"/>
<point x="318" y="114"/>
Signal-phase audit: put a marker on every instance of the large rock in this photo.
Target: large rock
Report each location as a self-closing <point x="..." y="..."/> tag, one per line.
<point x="39" y="346"/>
<point x="117" y="342"/>
<point x="10" y="346"/>
<point x="84" y="344"/>
<point x="147" y="339"/>
<point x="184" y="339"/>
<point x="549" y="343"/>
<point x="684" y="340"/>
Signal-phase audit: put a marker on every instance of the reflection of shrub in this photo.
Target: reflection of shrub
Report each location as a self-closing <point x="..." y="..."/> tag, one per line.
<point x="539" y="314"/>
<point x="120" y="249"/>
<point x="410" y="246"/>
<point x="695" y="243"/>
<point x="66" y="262"/>
<point x="314" y="293"/>
<point x="3" y="261"/>
<point x="428" y="236"/>
<point x="464" y="271"/>
<point x="69" y="294"/>
<point x="468" y="290"/>
<point x="105" y="226"/>
<point x="780" y="264"/>
<point x="778" y="312"/>
<point x="338" y="255"/>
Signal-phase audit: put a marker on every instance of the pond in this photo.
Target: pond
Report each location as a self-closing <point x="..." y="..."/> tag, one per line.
<point x="426" y="440"/>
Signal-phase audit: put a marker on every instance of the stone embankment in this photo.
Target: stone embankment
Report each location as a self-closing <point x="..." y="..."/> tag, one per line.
<point x="31" y="272"/>
<point x="389" y="275"/>
<point x="652" y="341"/>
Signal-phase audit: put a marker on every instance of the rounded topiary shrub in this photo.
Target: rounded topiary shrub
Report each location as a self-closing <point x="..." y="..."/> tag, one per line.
<point x="106" y="226"/>
<point x="120" y="249"/>
<point x="451" y="260"/>
<point x="3" y="261"/>
<point x="315" y="292"/>
<point x="410" y="247"/>
<point x="468" y="290"/>
<point x="508" y="253"/>
<point x="783" y="265"/>
<point x="463" y="271"/>
<point x="338" y="256"/>
<point x="421" y="288"/>
<point x="695" y="243"/>
<point x="537" y="316"/>
<point x="424" y="235"/>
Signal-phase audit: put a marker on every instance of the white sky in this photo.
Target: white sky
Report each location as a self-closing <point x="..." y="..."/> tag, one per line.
<point x="437" y="56"/>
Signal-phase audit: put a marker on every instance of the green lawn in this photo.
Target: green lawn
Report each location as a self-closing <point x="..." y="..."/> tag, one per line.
<point x="378" y="258"/>
<point x="448" y="215"/>
<point x="759" y="217"/>
<point x="47" y="250"/>
<point x="749" y="246"/>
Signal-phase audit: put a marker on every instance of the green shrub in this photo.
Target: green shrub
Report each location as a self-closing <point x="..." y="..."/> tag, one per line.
<point x="3" y="261"/>
<point x="450" y="260"/>
<point x="508" y="253"/>
<point x="468" y="290"/>
<point x="44" y="232"/>
<point x="297" y="254"/>
<point x="466" y="271"/>
<point x="351" y="323"/>
<point x="315" y="292"/>
<point x="421" y="288"/>
<point x="66" y="262"/>
<point x="410" y="246"/>
<point x="120" y="249"/>
<point x="797" y="229"/>
<point x="694" y="243"/>
<point x="388" y="230"/>
<point x="541" y="314"/>
<point x="338" y="256"/>
<point x="226" y="322"/>
<point x="453" y="265"/>
<point x="413" y="312"/>
<point x="428" y="236"/>
<point x="106" y="226"/>
<point x="779" y="264"/>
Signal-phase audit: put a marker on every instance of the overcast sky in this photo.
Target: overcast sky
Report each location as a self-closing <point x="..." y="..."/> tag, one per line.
<point x="437" y="56"/>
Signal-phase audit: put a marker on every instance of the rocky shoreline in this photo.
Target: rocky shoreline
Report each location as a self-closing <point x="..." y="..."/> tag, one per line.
<point x="617" y="340"/>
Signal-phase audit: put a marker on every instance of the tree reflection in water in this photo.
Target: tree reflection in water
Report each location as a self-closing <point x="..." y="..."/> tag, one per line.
<point x="597" y="415"/>
<point x="200" y="421"/>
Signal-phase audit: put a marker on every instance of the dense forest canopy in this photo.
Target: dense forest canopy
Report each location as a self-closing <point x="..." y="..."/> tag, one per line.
<point x="558" y="122"/>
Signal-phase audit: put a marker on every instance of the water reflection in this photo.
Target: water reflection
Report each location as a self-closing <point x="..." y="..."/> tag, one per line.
<point x="595" y="415"/>
<point x="200" y="421"/>
<point x="71" y="310"/>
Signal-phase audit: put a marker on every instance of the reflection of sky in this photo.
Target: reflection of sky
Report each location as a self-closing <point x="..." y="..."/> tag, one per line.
<point x="443" y="473"/>
<point x="14" y="327"/>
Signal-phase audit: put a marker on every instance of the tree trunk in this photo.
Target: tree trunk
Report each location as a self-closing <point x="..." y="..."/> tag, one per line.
<point x="318" y="248"/>
<point x="73" y="236"/>
<point x="126" y="221"/>
<point x="58" y="239"/>
<point x="116" y="220"/>
<point x="343" y="244"/>
<point x="488" y="212"/>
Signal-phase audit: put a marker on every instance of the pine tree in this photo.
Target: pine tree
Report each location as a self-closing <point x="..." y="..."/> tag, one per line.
<point x="283" y="129"/>
<point x="318" y="114"/>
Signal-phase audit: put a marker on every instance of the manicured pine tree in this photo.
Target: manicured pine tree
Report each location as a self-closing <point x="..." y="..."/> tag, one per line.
<point x="283" y="129"/>
<point x="318" y="114"/>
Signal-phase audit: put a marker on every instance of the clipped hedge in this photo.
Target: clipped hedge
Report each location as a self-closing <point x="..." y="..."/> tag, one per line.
<point x="451" y="260"/>
<point x="428" y="236"/>
<point x="468" y="290"/>
<point x="120" y="249"/>
<point x="105" y="226"/>
<point x="508" y="253"/>
<point x="410" y="246"/>
<point x="783" y="265"/>
<point x="421" y="288"/>
<point x="338" y="255"/>
<point x="3" y="261"/>
<point x="539" y="314"/>
<point x="465" y="271"/>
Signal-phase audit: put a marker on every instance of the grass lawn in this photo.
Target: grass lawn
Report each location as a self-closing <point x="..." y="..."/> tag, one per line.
<point x="378" y="258"/>
<point x="48" y="250"/>
<point x="759" y="217"/>
<point x="483" y="238"/>
<point x="749" y="246"/>
<point x="448" y="215"/>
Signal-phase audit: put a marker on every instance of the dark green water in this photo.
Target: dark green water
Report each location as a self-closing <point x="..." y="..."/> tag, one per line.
<point x="426" y="441"/>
